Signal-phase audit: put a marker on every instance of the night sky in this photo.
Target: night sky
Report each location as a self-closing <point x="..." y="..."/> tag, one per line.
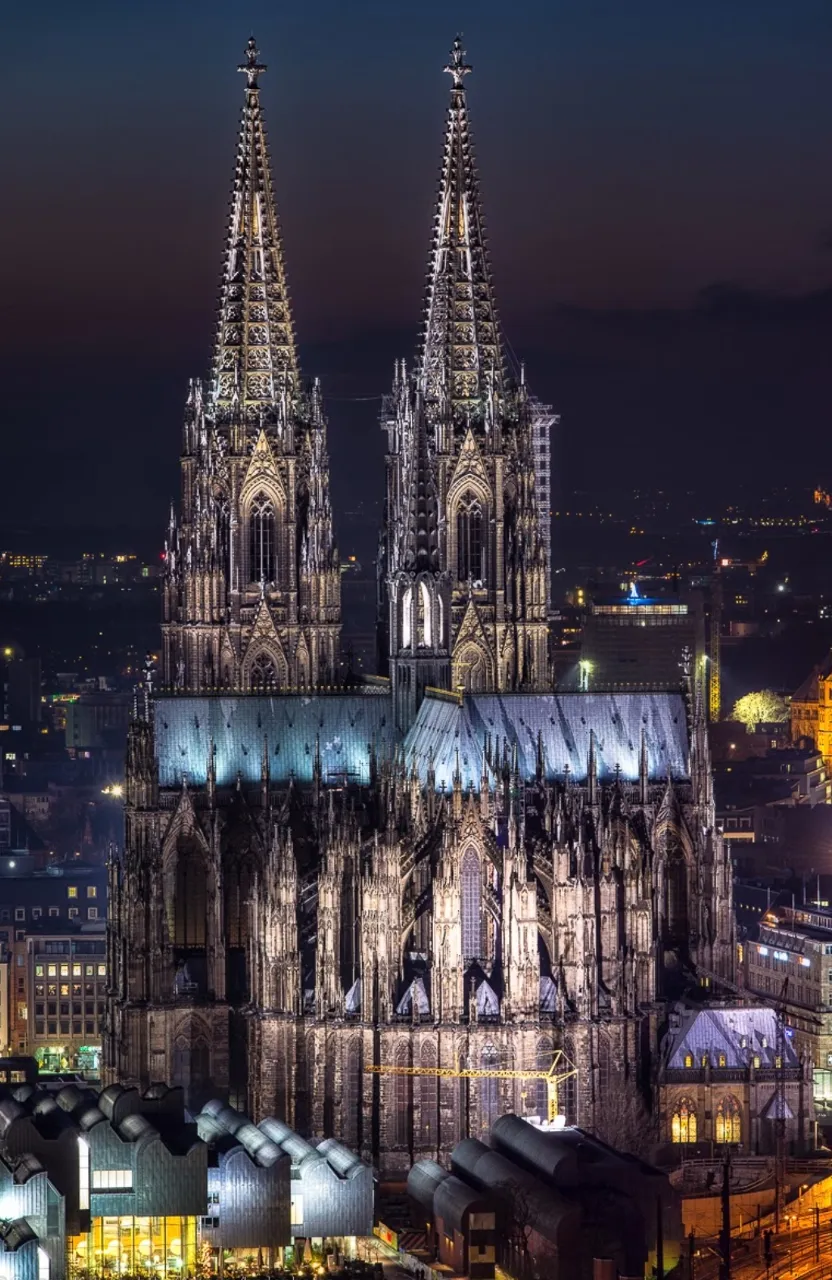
<point x="657" y="181"/>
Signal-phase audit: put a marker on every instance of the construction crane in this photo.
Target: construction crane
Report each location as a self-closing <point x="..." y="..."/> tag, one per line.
<point x="560" y="1070"/>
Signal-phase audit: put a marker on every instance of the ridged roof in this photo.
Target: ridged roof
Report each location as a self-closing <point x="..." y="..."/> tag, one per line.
<point x="737" y="1034"/>
<point x="564" y="724"/>
<point x="291" y="726"/>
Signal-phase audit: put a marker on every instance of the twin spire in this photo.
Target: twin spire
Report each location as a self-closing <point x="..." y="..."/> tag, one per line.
<point x="255" y="360"/>
<point x="460" y="359"/>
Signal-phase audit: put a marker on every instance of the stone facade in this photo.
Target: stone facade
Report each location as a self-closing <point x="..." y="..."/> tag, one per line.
<point x="447" y="885"/>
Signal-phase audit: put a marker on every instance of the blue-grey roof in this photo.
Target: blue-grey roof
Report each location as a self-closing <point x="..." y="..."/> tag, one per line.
<point x="736" y="1035"/>
<point x="345" y="724"/>
<point x="564" y="722"/>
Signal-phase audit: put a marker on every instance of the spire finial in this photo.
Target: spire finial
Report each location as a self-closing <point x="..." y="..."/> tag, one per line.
<point x="251" y="67"/>
<point x="458" y="67"/>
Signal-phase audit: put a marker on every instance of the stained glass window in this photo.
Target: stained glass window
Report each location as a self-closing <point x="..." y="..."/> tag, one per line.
<point x="728" y="1121"/>
<point x="683" y="1125"/>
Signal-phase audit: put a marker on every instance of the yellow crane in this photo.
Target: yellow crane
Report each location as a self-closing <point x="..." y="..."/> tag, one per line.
<point x="560" y="1070"/>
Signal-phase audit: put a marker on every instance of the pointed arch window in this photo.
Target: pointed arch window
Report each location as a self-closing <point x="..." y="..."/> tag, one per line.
<point x="407" y="618"/>
<point x="683" y="1125"/>
<point x="470" y="539"/>
<point x="262" y="540"/>
<point x="423" y="619"/>
<point x="489" y="1090"/>
<point x="728" y="1121"/>
<point x="402" y="1104"/>
<point x="224" y="540"/>
<point x="471" y="884"/>
<point x="264" y="673"/>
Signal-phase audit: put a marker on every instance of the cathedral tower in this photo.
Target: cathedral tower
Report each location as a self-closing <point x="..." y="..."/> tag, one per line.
<point x="252" y="588"/>
<point x="460" y="455"/>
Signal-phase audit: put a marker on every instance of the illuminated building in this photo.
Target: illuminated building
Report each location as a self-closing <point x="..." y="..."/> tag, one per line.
<point x="722" y="1081"/>
<point x="636" y="642"/>
<point x="450" y="865"/>
<point x="796" y="943"/>
<point x="811" y="710"/>
<point x="122" y="1182"/>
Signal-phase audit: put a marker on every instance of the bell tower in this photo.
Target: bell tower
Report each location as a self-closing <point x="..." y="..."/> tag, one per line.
<point x="252" y="585"/>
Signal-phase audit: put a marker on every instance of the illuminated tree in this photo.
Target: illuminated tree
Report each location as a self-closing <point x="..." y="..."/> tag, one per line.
<point x="762" y="707"/>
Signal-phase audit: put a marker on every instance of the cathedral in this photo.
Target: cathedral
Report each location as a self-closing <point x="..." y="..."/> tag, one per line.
<point x="370" y="907"/>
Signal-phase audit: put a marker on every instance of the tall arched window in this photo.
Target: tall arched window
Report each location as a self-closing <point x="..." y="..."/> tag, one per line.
<point x="471" y="884"/>
<point x="469" y="539"/>
<point x="489" y="1090"/>
<point x="676" y="873"/>
<point x="402" y="1109"/>
<point x="424" y="620"/>
<point x="429" y="1100"/>
<point x="728" y="1121"/>
<point x="351" y="1102"/>
<point x="264" y="673"/>
<point x="407" y="618"/>
<point x="262" y="557"/>
<point x="683" y="1124"/>
<point x="190" y="905"/>
<point x="224" y="539"/>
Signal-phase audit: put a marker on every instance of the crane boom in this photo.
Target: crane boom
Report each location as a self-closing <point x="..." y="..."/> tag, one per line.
<point x="551" y="1075"/>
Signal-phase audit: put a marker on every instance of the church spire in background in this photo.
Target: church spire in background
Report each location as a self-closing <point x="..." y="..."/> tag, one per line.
<point x="461" y="354"/>
<point x="255" y="361"/>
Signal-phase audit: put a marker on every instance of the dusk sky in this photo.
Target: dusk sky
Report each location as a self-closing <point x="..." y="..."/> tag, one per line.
<point x="656" y="178"/>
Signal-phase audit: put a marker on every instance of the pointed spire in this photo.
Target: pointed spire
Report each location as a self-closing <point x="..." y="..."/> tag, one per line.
<point x="461" y="352"/>
<point x="255" y="361"/>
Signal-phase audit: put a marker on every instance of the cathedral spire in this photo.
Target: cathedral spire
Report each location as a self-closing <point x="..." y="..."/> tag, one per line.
<point x="461" y="355"/>
<point x="255" y="361"/>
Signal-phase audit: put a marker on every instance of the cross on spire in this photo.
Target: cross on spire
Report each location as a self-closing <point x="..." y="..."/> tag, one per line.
<point x="458" y="67"/>
<point x="251" y="67"/>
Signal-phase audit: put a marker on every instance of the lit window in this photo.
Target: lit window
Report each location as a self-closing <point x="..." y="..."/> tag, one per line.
<point x="102" y="971"/>
<point x="38" y="970"/>
<point x="64" y="970"/>
<point x="53" y="970"/>
<point x="92" y="891"/>
<point x="722" y="1060"/>
<point x="683" y="1124"/>
<point x="112" y="1179"/>
<point x="76" y="971"/>
<point x="83" y="1174"/>
<point x="728" y="1121"/>
<point x="72" y="891"/>
<point x="688" y="1059"/>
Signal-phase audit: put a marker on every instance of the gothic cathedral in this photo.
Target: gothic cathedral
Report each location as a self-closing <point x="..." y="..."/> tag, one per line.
<point x="371" y="908"/>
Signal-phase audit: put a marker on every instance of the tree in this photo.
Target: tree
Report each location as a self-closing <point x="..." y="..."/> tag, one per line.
<point x="761" y="707"/>
<point x="622" y="1120"/>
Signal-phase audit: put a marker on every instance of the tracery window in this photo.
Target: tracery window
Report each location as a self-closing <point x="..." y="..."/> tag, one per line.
<point x="407" y="618"/>
<point x="262" y="541"/>
<point x="683" y="1124"/>
<point x="728" y="1121"/>
<point x="428" y="1099"/>
<point x="489" y="1090"/>
<point x="471" y="884"/>
<point x="469" y="539"/>
<point x="402" y="1105"/>
<point x="264" y="673"/>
